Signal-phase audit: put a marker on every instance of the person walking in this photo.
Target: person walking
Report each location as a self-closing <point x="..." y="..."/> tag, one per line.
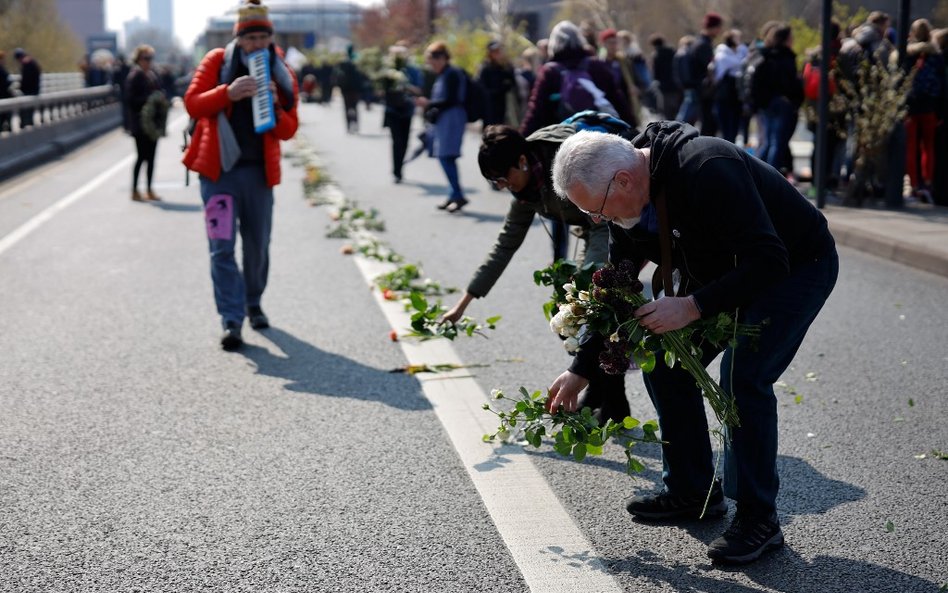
<point x="745" y="241"/>
<point x="444" y="110"/>
<point x="350" y="81"/>
<point x="729" y="57"/>
<point x="496" y="75"/>
<point x="238" y="166"/>
<point x="663" y="72"/>
<point x="400" y="84"/>
<point x="30" y="75"/>
<point x="697" y="82"/>
<point x="782" y="95"/>
<point x="145" y="125"/>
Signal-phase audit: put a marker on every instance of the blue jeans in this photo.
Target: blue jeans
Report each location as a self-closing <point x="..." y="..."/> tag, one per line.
<point x="781" y="123"/>
<point x="239" y="200"/>
<point x="450" y="166"/>
<point x="690" y="109"/>
<point x="750" y="456"/>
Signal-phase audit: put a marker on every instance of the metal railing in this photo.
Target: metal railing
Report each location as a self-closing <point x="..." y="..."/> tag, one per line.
<point x="52" y="107"/>
<point x="54" y="82"/>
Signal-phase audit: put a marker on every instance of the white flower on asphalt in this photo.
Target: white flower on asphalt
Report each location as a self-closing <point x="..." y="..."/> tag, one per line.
<point x="496" y="393"/>
<point x="571" y="344"/>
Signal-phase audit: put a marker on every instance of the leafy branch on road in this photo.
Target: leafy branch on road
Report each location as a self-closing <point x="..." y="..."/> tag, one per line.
<point x="575" y="434"/>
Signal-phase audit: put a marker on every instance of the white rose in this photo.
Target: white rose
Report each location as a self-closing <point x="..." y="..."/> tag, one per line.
<point x="571" y="344"/>
<point x="583" y="295"/>
<point x="569" y="287"/>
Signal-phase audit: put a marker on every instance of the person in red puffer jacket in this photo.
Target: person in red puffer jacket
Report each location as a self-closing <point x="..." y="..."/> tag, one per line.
<point x="238" y="161"/>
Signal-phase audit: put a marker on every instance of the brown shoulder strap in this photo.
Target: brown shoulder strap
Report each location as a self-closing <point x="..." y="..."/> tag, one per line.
<point x="664" y="243"/>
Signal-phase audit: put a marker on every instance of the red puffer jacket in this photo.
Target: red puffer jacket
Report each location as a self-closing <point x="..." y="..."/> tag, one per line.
<point x="206" y="97"/>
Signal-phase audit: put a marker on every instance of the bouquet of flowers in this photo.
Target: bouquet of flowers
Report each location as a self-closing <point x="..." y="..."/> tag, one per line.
<point x="605" y="307"/>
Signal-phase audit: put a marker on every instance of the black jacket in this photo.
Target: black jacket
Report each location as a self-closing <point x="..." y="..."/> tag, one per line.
<point x="738" y="227"/>
<point x="782" y="77"/>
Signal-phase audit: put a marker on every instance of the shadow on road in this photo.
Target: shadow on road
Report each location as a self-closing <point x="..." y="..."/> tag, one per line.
<point x="177" y="207"/>
<point x="307" y="369"/>
<point x="783" y="570"/>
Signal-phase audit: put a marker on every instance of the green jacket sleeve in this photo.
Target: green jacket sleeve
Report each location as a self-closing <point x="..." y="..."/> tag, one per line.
<point x="597" y="245"/>
<point x="511" y="237"/>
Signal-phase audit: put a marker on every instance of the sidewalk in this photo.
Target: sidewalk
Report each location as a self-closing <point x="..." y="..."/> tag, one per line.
<point x="916" y="236"/>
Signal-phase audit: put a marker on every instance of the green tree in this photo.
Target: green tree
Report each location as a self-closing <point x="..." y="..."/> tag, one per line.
<point x="35" y="26"/>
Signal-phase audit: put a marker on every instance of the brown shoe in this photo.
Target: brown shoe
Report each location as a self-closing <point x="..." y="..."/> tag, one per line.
<point x="137" y="197"/>
<point x="153" y="197"/>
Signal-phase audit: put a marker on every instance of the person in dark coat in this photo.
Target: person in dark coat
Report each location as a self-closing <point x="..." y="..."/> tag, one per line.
<point x="782" y="96"/>
<point x="400" y="85"/>
<point x="5" y="92"/>
<point x="698" y="104"/>
<point x="663" y="63"/>
<point x="745" y="242"/>
<point x="141" y="83"/>
<point x="350" y="81"/>
<point x="444" y="110"/>
<point x="496" y="75"/>
<point x="30" y="75"/>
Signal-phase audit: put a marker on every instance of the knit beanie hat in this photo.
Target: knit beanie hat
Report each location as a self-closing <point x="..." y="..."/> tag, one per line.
<point x="253" y="17"/>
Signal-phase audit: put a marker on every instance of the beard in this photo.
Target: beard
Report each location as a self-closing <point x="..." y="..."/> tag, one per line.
<point x="626" y="223"/>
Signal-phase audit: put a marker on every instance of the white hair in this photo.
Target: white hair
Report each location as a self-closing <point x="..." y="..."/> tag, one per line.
<point x="591" y="159"/>
<point x="565" y="35"/>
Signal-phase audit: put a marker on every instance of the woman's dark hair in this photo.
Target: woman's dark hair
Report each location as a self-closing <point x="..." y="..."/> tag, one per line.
<point x="501" y="147"/>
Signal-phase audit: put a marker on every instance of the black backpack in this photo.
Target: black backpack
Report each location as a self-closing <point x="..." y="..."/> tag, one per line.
<point x="753" y="87"/>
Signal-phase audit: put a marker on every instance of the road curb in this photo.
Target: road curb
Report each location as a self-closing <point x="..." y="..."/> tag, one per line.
<point x="916" y="256"/>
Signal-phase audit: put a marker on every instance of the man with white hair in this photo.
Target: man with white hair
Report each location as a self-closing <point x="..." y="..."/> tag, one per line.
<point x="743" y="240"/>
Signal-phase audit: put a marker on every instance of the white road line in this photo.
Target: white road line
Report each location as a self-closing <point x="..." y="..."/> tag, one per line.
<point x="549" y="548"/>
<point x="37" y="221"/>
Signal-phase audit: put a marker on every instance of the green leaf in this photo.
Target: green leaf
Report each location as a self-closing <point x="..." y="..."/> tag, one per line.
<point x="487" y="438"/>
<point x="563" y="448"/>
<point x="418" y="301"/>
<point x="493" y="320"/>
<point x="568" y="434"/>
<point x="670" y="359"/>
<point x="889" y="526"/>
<point x="594" y="449"/>
<point x="645" y="359"/>
<point x="629" y="423"/>
<point x="536" y="395"/>
<point x="579" y="451"/>
<point x="635" y="465"/>
<point x="537" y="441"/>
<point x="798" y="399"/>
<point x="911" y="403"/>
<point x="524" y="392"/>
<point x="522" y="406"/>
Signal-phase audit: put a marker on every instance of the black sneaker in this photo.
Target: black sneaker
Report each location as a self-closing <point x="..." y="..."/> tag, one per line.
<point x="258" y="319"/>
<point x="231" y="339"/>
<point x="746" y="539"/>
<point x="669" y="506"/>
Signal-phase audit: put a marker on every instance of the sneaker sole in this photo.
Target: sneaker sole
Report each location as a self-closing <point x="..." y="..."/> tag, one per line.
<point x="231" y="344"/>
<point x="713" y="511"/>
<point x="772" y="544"/>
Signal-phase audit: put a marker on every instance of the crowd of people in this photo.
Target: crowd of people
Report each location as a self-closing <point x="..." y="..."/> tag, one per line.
<point x="746" y="89"/>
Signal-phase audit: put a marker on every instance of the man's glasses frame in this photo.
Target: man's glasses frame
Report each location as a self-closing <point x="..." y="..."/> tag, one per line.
<point x="598" y="215"/>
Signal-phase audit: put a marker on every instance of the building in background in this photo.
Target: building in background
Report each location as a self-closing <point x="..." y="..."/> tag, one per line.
<point x="131" y="27"/>
<point x="161" y="16"/>
<point x="303" y="24"/>
<point x="86" y="18"/>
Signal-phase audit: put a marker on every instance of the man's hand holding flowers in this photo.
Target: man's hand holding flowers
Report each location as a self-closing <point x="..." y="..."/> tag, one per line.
<point x="667" y="314"/>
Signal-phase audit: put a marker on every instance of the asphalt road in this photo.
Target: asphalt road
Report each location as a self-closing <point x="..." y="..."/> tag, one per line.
<point x="136" y="456"/>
